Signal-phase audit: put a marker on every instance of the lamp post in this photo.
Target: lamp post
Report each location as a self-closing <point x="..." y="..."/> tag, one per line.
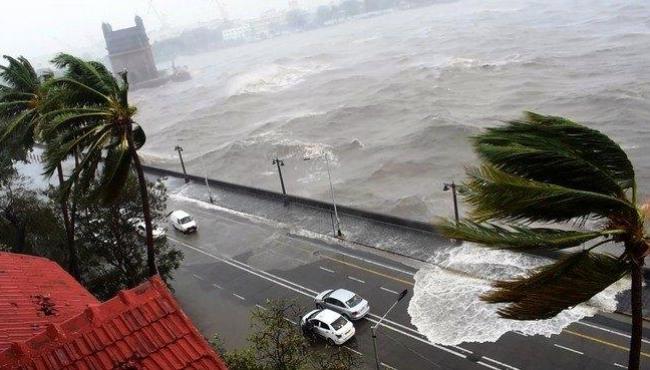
<point x="373" y="329"/>
<point x="337" y="229"/>
<point x="279" y="163"/>
<point x="452" y="186"/>
<point x="207" y="183"/>
<point x="179" y="149"/>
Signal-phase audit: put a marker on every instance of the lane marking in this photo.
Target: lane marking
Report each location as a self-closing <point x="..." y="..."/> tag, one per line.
<point x="500" y="363"/>
<point x="197" y="277"/>
<point x="645" y="354"/>
<point x="388" y="290"/>
<point x="619" y="365"/>
<point x="568" y="349"/>
<point x="326" y="269"/>
<point x="261" y="307"/>
<point x="355" y="279"/>
<point x="461" y="349"/>
<point x="616" y="332"/>
<point x="353" y="350"/>
<point x="388" y="366"/>
<point x="488" y="366"/>
<point x="238" y="296"/>
<point x="217" y="286"/>
<point x="369" y="270"/>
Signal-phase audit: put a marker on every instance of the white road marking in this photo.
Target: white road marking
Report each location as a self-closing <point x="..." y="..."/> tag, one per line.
<point x="197" y="277"/>
<point x="217" y="286"/>
<point x="355" y="279"/>
<point x="388" y="324"/>
<point x="488" y="366"/>
<point x="261" y="307"/>
<point x="619" y="365"/>
<point x="326" y="269"/>
<point x="616" y="332"/>
<point x="568" y="349"/>
<point x="353" y="350"/>
<point x="388" y="290"/>
<point x="388" y="366"/>
<point x="461" y="349"/>
<point x="238" y="296"/>
<point x="500" y="363"/>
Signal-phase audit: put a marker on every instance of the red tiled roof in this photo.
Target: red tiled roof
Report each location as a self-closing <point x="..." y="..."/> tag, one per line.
<point x="141" y="328"/>
<point x="35" y="292"/>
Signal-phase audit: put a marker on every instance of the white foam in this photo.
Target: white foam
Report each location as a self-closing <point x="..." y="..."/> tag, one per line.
<point x="273" y="78"/>
<point x="446" y="307"/>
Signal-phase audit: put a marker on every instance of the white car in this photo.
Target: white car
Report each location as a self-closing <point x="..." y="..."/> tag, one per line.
<point x="344" y="302"/>
<point x="328" y="324"/>
<point x="183" y="222"/>
<point x="157" y="232"/>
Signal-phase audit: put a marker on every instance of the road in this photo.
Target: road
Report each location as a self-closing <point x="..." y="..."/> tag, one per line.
<point x="236" y="262"/>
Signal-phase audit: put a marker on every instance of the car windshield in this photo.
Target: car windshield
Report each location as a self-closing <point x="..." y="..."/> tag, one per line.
<point x="185" y="220"/>
<point x="354" y="301"/>
<point x="339" y="323"/>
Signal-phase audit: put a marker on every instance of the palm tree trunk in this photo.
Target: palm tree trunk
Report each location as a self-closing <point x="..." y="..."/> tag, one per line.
<point x="634" y="361"/>
<point x="73" y="259"/>
<point x="144" y="194"/>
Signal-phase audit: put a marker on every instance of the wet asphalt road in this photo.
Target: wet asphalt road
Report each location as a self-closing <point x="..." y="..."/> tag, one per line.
<point x="235" y="263"/>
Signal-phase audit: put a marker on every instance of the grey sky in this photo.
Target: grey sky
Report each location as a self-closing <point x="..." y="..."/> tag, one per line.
<point x="40" y="27"/>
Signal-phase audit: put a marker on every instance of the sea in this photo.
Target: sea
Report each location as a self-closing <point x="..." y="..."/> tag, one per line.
<point x="393" y="100"/>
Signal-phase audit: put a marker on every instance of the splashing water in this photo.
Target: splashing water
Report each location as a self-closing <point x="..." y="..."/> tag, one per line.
<point x="446" y="307"/>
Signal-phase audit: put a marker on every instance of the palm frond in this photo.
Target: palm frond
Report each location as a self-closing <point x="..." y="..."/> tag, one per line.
<point x="518" y="237"/>
<point x="558" y="151"/>
<point x="551" y="289"/>
<point x="19" y="74"/>
<point x="495" y="194"/>
<point x="115" y="172"/>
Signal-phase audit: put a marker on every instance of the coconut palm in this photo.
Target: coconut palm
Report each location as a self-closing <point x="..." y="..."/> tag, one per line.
<point x="23" y="104"/>
<point x="544" y="170"/>
<point x="97" y="122"/>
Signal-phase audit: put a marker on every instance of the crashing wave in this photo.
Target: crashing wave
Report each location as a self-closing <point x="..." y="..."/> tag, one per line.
<point x="446" y="307"/>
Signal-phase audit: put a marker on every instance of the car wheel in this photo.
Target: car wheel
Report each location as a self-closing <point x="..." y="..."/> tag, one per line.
<point x="319" y="306"/>
<point x="330" y="341"/>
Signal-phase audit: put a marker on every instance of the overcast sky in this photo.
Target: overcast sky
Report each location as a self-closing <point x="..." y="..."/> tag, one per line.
<point x="35" y="28"/>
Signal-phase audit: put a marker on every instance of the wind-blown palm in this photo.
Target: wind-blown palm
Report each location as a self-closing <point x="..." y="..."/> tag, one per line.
<point x="551" y="170"/>
<point x="97" y="121"/>
<point x="23" y="104"/>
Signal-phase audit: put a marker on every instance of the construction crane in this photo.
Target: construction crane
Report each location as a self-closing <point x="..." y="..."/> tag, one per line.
<point x="161" y="18"/>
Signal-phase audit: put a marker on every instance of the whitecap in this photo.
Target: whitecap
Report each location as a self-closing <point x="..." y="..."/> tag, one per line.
<point x="446" y="307"/>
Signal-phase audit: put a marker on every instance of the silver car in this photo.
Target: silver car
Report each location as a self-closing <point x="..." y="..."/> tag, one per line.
<point x="344" y="302"/>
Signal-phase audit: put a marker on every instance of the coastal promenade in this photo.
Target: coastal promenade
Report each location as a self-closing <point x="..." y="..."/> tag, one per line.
<point x="252" y="247"/>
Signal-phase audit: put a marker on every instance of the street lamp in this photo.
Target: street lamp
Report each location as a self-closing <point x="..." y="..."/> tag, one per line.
<point x="337" y="230"/>
<point x="452" y="186"/>
<point x="373" y="329"/>
<point x="207" y="183"/>
<point x="179" y="149"/>
<point x="279" y="163"/>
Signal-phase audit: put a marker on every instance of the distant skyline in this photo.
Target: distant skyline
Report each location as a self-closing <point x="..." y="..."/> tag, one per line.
<point x="37" y="28"/>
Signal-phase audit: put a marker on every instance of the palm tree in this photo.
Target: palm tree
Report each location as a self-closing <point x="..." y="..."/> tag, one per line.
<point x="23" y="103"/>
<point x="544" y="169"/>
<point x="96" y="121"/>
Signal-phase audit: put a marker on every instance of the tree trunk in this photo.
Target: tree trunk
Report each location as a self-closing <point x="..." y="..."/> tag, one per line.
<point x="21" y="237"/>
<point x="73" y="259"/>
<point x="634" y="361"/>
<point x="144" y="194"/>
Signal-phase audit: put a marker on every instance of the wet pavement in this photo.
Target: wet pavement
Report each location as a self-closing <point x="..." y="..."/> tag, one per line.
<point x="236" y="261"/>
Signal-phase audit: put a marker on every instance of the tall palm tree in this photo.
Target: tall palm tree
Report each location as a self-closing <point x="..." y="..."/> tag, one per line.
<point x="97" y="122"/>
<point x="544" y="169"/>
<point x="23" y="104"/>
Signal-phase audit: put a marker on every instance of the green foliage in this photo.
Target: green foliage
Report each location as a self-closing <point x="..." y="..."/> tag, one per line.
<point x="112" y="254"/>
<point x="276" y="343"/>
<point x="550" y="169"/>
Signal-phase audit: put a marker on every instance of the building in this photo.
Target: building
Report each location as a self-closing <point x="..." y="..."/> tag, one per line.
<point x="56" y="324"/>
<point x="129" y="49"/>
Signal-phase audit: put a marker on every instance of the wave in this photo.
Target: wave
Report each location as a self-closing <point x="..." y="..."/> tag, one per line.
<point x="272" y="78"/>
<point x="446" y="307"/>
